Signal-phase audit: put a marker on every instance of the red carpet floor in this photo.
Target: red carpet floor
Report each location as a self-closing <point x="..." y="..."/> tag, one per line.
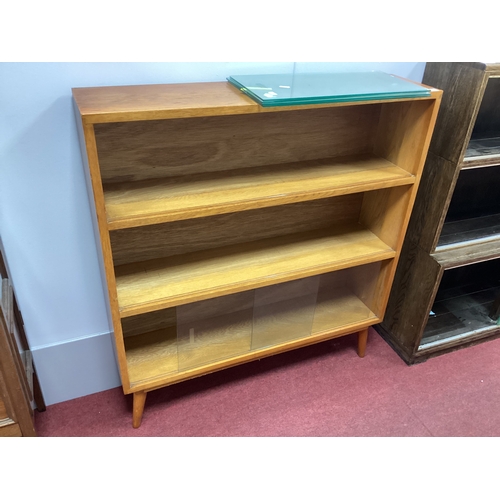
<point x="321" y="390"/>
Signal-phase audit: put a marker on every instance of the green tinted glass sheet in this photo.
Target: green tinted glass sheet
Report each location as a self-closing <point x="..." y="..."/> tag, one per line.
<point x="318" y="88"/>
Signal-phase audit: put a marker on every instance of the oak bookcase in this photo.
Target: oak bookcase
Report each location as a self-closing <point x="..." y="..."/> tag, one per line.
<point x="231" y="232"/>
<point x="446" y="292"/>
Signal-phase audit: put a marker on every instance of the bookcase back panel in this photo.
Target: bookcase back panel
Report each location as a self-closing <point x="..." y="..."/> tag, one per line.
<point x="175" y="238"/>
<point x="149" y="322"/>
<point x="164" y="148"/>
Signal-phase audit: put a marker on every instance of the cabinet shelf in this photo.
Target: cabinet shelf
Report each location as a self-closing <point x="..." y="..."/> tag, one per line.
<point x="464" y="305"/>
<point x="483" y="152"/>
<point x="474" y="210"/>
<point x="463" y="315"/>
<point x="470" y="230"/>
<point x="466" y="253"/>
<point x="161" y="283"/>
<point x="132" y="204"/>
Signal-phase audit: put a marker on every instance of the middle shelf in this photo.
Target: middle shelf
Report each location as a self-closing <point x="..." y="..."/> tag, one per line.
<point x="152" y="201"/>
<point x="159" y="283"/>
<point x="169" y="264"/>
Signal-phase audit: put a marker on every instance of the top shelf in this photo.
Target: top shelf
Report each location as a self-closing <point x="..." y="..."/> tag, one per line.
<point x="132" y="204"/>
<point x="182" y="100"/>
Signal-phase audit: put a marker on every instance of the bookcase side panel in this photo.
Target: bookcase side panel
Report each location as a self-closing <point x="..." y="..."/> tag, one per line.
<point x="404" y="132"/>
<point x="95" y="178"/>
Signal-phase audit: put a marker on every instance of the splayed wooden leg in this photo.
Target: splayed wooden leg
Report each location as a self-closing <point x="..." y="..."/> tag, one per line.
<point x="362" y="340"/>
<point x="138" y="408"/>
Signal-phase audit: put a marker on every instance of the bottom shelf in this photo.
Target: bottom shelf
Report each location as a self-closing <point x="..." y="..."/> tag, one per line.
<point x="466" y="304"/>
<point x="208" y="335"/>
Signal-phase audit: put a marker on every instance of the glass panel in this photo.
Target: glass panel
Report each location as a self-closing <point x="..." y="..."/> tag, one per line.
<point x="230" y="326"/>
<point x="316" y="88"/>
<point x="214" y="329"/>
<point x="284" y="312"/>
<point x="346" y="297"/>
<point x="474" y="211"/>
<point x="468" y="300"/>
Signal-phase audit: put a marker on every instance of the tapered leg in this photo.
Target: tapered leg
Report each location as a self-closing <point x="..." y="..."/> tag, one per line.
<point x="138" y="408"/>
<point x="362" y="339"/>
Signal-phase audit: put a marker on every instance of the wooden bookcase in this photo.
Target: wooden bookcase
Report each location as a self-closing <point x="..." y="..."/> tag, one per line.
<point x="231" y="232"/>
<point x="446" y="290"/>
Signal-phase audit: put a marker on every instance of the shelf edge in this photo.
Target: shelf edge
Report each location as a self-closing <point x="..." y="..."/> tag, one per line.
<point x="117" y="223"/>
<point x="450" y="256"/>
<point x="181" y="299"/>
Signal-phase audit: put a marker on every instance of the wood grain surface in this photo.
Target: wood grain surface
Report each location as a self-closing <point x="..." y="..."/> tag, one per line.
<point x="134" y="204"/>
<point x="148" y="286"/>
<point x="135" y="151"/>
<point x="187" y="236"/>
<point x="127" y="103"/>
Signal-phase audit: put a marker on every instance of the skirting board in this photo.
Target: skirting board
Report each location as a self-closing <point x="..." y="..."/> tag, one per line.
<point x="76" y="368"/>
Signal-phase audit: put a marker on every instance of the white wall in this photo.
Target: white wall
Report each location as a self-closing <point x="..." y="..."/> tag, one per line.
<point x="45" y="219"/>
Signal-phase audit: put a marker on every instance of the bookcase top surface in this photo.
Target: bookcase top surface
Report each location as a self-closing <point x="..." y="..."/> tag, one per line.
<point x="179" y="100"/>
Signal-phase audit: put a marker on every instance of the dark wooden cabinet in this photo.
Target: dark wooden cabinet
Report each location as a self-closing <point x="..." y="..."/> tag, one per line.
<point x="446" y="291"/>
